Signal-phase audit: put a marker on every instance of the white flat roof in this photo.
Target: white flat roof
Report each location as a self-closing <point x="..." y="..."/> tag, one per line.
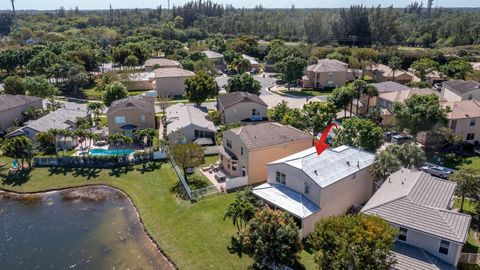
<point x="287" y="199"/>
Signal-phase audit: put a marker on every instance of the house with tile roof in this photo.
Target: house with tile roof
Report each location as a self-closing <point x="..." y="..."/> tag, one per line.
<point x="456" y="90"/>
<point x="383" y="73"/>
<point x="188" y="123"/>
<point x="171" y="81"/>
<point x="326" y="73"/>
<point x="311" y="186"/>
<point x="431" y="234"/>
<point x="155" y="63"/>
<point x="246" y="151"/>
<point x="13" y="107"/>
<point x="127" y="115"/>
<point x="238" y="107"/>
<point x="464" y="118"/>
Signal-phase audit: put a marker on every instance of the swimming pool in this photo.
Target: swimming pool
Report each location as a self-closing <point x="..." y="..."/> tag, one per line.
<point x="112" y="152"/>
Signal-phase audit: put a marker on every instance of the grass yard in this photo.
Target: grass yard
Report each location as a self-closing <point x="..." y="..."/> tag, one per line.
<point x="92" y="94"/>
<point x="194" y="236"/>
<point x="473" y="244"/>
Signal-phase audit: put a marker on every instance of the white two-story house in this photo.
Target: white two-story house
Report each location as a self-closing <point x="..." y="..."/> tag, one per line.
<point x="430" y="234"/>
<point x="311" y="186"/>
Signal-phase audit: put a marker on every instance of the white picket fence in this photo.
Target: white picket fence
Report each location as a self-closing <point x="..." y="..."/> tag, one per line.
<point x="236" y="182"/>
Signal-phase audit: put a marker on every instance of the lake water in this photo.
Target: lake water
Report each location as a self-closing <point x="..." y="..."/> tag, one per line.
<point x="59" y="231"/>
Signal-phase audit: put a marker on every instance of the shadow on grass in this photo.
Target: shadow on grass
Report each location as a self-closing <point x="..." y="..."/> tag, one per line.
<point x="149" y="167"/>
<point x="119" y="171"/>
<point x="16" y="179"/>
<point x="88" y="173"/>
<point x="236" y="247"/>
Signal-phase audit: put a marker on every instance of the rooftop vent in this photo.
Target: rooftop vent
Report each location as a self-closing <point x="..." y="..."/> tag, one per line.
<point x="348" y="163"/>
<point x="316" y="172"/>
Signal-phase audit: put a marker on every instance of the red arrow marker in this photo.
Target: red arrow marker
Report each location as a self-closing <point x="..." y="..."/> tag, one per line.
<point x="320" y="144"/>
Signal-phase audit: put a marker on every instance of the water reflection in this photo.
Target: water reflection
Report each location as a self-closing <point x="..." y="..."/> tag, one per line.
<point x="89" y="228"/>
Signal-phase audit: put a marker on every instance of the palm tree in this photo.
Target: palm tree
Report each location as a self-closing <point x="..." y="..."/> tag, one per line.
<point x="241" y="210"/>
<point x="395" y="63"/>
<point x="55" y="133"/>
<point x="385" y="164"/>
<point x="19" y="147"/>
<point x="117" y="139"/>
<point x="96" y="108"/>
<point x="14" y="16"/>
<point x="66" y="133"/>
<point x="370" y="91"/>
<point x="412" y="155"/>
<point x="359" y="88"/>
<point x="81" y="134"/>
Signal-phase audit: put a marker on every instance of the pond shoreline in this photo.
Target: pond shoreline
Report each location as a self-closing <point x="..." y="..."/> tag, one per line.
<point x="77" y="188"/>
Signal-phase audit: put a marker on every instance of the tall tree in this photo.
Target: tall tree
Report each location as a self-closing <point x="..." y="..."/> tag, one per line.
<point x="341" y="97"/>
<point x="291" y="69"/>
<point x="468" y="183"/>
<point x="39" y="87"/>
<point x="242" y="210"/>
<point x="319" y="115"/>
<point x="19" y="148"/>
<point x="353" y="242"/>
<point x="189" y="155"/>
<point x="14" y="85"/>
<point x="244" y="82"/>
<point x="200" y="87"/>
<point x="358" y="132"/>
<point x="385" y="164"/>
<point x="394" y="63"/>
<point x="423" y="66"/>
<point x="457" y="69"/>
<point x="114" y="91"/>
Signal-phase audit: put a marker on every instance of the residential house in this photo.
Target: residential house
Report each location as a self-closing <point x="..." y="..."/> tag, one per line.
<point x="127" y="115"/>
<point x="430" y="233"/>
<point x="383" y="87"/>
<point x="154" y="63"/>
<point x="456" y="90"/>
<point x="188" y="123"/>
<point x="216" y="58"/>
<point x="311" y="186"/>
<point x="475" y="65"/>
<point x="12" y="108"/>
<point x="63" y="118"/>
<point x="464" y="118"/>
<point x="326" y="73"/>
<point x="140" y="81"/>
<point x="383" y="73"/>
<point x="247" y="150"/>
<point x="237" y="107"/>
<point x="253" y="62"/>
<point x="171" y="81"/>
<point x="432" y="76"/>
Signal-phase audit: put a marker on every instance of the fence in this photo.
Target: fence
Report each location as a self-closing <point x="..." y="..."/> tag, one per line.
<point x="470" y="258"/>
<point x="182" y="179"/>
<point x="236" y="182"/>
<point x="203" y="192"/>
<point x="92" y="161"/>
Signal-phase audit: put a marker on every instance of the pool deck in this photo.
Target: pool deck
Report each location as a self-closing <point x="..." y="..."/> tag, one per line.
<point x="79" y="149"/>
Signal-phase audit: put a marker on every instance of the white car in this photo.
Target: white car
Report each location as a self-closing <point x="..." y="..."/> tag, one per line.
<point x="438" y="171"/>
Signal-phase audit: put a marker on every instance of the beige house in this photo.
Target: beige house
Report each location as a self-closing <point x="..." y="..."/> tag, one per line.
<point x="127" y="115"/>
<point x="241" y="106"/>
<point x="464" y="119"/>
<point x="383" y="73"/>
<point x="430" y="233"/>
<point x="456" y="90"/>
<point x="140" y="81"/>
<point x="383" y="87"/>
<point x="171" y="81"/>
<point x="475" y="65"/>
<point x="12" y="108"/>
<point x="326" y="73"/>
<point x="312" y="187"/>
<point x="154" y="63"/>
<point x="247" y="150"/>
<point x="188" y="123"/>
<point x="216" y="58"/>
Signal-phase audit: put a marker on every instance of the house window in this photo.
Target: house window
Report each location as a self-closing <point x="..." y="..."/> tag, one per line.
<point x="241" y="150"/>
<point x="444" y="245"/>
<point x="472" y="122"/>
<point x="470" y="136"/>
<point x="120" y="120"/>
<point x="402" y="234"/>
<point x="307" y="188"/>
<point x="234" y="167"/>
<point x="280" y="178"/>
<point x="143" y="118"/>
<point x="229" y="144"/>
<point x="254" y="112"/>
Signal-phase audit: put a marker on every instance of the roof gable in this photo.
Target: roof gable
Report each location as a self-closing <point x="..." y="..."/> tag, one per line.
<point x="231" y="99"/>
<point x="143" y="103"/>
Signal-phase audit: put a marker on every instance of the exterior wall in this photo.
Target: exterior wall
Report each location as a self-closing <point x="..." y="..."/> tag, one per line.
<point x="260" y="157"/>
<point x="242" y="160"/>
<point x="431" y="244"/>
<point x="450" y="95"/>
<point x="152" y="68"/>
<point x="171" y="86"/>
<point x="132" y="116"/>
<point x="242" y="111"/>
<point x="462" y="127"/>
<point x="321" y="79"/>
<point x="7" y="118"/>
<point x="139" y="85"/>
<point x="184" y="135"/>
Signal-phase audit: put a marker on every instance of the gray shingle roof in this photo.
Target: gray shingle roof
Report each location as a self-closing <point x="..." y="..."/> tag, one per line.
<point x="419" y="201"/>
<point x="269" y="134"/>
<point x="11" y="101"/>
<point x="231" y="99"/>
<point x="144" y="103"/>
<point x="389" y="86"/>
<point x="162" y="62"/>
<point x="331" y="166"/>
<point x="462" y="86"/>
<point x="410" y="257"/>
<point x="328" y="65"/>
<point x="181" y="115"/>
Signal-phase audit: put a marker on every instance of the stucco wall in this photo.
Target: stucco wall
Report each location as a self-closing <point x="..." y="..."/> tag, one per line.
<point x="242" y="111"/>
<point x="184" y="135"/>
<point x="462" y="128"/>
<point x="171" y="86"/>
<point x="7" y="118"/>
<point x="321" y="79"/>
<point x="449" y="95"/>
<point x="132" y="116"/>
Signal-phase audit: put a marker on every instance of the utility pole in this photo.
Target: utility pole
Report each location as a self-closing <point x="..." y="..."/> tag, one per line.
<point x="14" y="16"/>
<point x="429" y="8"/>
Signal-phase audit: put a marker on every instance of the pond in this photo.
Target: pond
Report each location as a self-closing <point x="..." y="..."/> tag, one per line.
<point x="85" y="228"/>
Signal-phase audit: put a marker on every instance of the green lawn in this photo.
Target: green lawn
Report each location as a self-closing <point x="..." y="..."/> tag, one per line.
<point x="473" y="244"/>
<point x="92" y="94"/>
<point x="194" y="235"/>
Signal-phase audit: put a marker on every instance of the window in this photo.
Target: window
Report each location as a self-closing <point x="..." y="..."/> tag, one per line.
<point x="229" y="144"/>
<point x="402" y="234"/>
<point x="307" y="188"/>
<point x="472" y="122"/>
<point x="470" y="136"/>
<point x="120" y="120"/>
<point x="444" y="245"/>
<point x="280" y="178"/>
<point x="241" y="150"/>
<point x="143" y="118"/>
<point x="254" y="112"/>
<point x="234" y="167"/>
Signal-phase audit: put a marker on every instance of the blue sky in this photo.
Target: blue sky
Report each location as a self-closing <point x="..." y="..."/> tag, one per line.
<point x="104" y="4"/>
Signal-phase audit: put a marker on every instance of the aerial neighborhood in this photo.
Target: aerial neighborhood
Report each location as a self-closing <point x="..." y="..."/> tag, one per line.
<point x="205" y="136"/>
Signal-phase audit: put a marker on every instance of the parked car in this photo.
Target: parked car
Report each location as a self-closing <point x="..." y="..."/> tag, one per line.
<point x="401" y="138"/>
<point x="387" y="136"/>
<point x="438" y="171"/>
<point x="438" y="86"/>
